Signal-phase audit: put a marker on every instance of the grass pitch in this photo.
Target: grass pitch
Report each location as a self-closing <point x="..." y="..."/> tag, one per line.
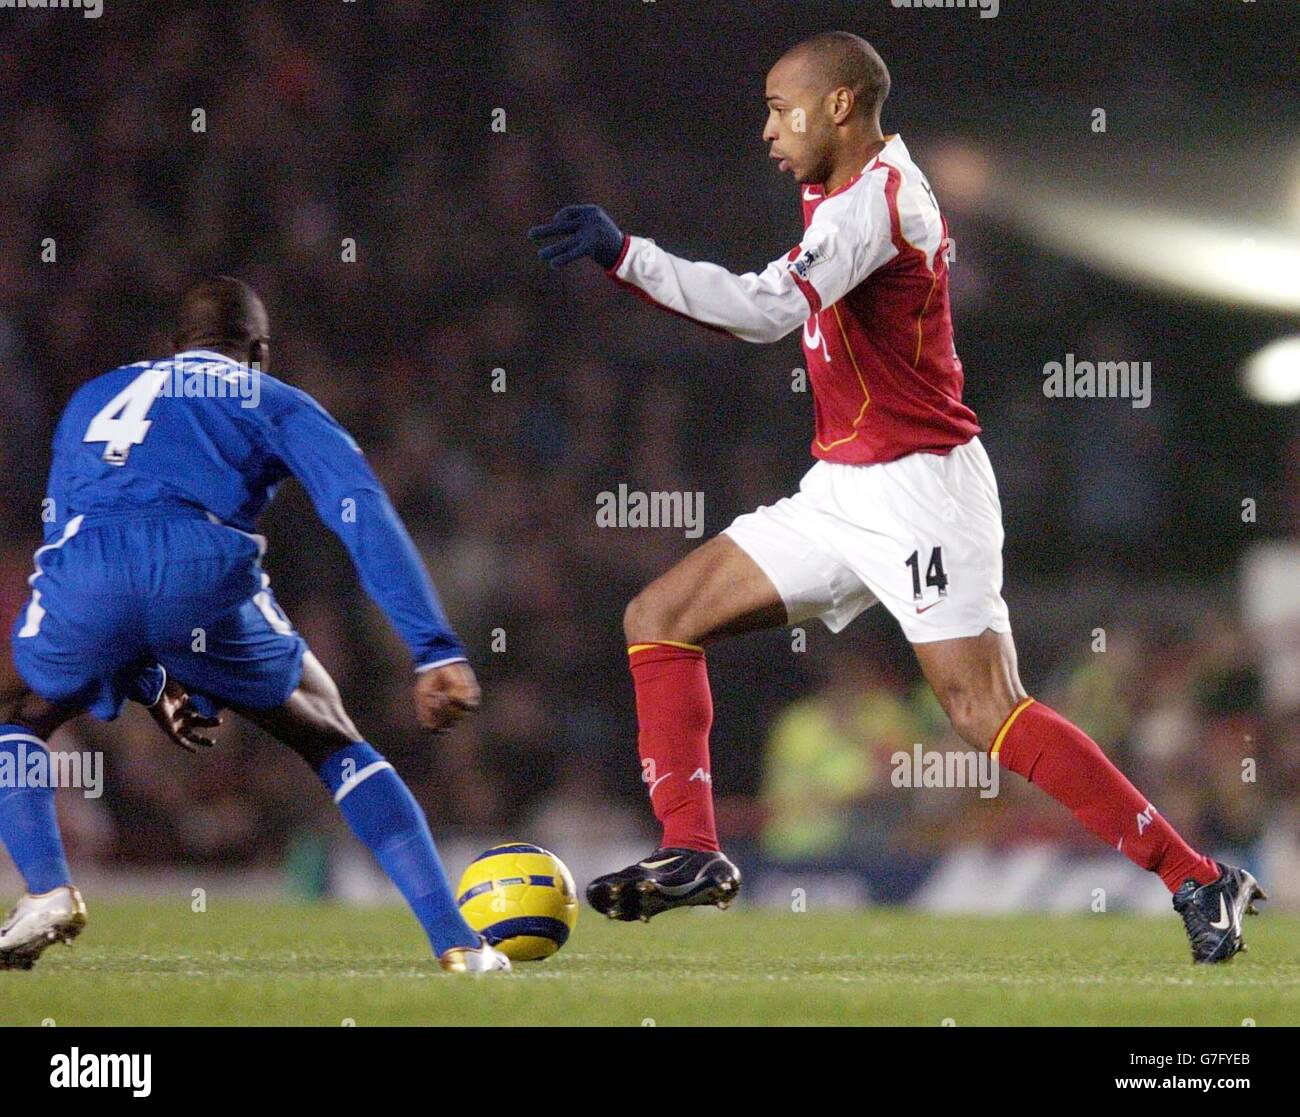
<point x="284" y="964"/>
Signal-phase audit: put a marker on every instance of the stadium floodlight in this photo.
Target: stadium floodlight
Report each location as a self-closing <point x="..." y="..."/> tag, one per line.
<point x="1273" y="374"/>
<point x="1241" y="265"/>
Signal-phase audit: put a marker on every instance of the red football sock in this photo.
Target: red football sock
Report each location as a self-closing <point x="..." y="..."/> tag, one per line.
<point x="1064" y="761"/>
<point x="674" y="711"/>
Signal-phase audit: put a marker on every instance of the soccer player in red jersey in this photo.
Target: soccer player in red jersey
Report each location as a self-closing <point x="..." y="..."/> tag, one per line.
<point x="901" y="506"/>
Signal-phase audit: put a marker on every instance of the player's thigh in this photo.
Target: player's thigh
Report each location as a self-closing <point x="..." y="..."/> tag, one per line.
<point x="804" y="574"/>
<point x="72" y="651"/>
<point x="976" y="679"/>
<point x="716" y="590"/>
<point x="248" y="657"/>
<point x="312" y="720"/>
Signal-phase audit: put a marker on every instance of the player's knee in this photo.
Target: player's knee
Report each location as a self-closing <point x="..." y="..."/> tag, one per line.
<point x="634" y="618"/>
<point x="653" y="615"/>
<point x="332" y="718"/>
<point x="647" y="618"/>
<point x="324" y="721"/>
<point x="975" y="714"/>
<point x="318" y="700"/>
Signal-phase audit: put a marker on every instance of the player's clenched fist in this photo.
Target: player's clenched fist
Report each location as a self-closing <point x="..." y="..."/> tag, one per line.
<point x="445" y="695"/>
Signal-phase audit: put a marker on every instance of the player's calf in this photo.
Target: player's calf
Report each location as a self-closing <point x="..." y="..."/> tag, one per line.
<point x="377" y="806"/>
<point x="52" y="909"/>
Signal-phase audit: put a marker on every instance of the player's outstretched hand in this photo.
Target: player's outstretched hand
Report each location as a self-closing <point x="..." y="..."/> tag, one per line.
<point x="179" y="720"/>
<point x="584" y="230"/>
<point x="445" y="695"/>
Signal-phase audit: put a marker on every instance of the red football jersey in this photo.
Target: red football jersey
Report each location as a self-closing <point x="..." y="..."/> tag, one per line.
<point x="869" y="285"/>
<point x="885" y="373"/>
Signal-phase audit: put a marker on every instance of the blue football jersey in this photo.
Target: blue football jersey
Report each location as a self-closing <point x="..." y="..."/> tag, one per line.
<point x="201" y="431"/>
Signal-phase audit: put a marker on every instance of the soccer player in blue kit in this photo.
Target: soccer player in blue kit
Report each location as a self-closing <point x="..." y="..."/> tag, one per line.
<point x="150" y="587"/>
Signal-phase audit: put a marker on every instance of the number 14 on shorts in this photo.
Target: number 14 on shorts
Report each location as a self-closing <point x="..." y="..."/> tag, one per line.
<point x="934" y="577"/>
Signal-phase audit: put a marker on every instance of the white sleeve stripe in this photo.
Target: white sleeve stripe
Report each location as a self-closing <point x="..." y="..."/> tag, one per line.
<point x="351" y="782"/>
<point x="440" y="663"/>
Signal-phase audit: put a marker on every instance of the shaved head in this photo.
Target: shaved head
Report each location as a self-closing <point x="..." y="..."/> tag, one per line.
<point x="823" y="107"/>
<point x="838" y="59"/>
<point x="224" y="314"/>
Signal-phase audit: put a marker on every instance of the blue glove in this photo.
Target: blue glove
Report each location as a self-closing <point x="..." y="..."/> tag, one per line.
<point x="583" y="231"/>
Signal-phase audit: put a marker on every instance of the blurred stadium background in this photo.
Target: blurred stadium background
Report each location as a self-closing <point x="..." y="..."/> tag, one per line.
<point x="1171" y="237"/>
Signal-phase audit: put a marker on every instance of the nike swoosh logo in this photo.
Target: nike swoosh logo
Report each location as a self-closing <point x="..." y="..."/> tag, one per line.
<point x="931" y="606"/>
<point x="658" y="782"/>
<point x="659" y="864"/>
<point x="1222" y="924"/>
<point x="676" y="890"/>
<point x="809" y="197"/>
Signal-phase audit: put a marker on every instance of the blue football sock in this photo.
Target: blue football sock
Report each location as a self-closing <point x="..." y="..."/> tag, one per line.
<point x="384" y="815"/>
<point x="29" y="828"/>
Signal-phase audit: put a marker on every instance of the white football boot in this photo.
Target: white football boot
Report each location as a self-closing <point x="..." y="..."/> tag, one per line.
<point x="474" y="959"/>
<point x="38" y="921"/>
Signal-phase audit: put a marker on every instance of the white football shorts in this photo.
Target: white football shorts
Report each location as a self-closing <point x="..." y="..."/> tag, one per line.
<point x="922" y="534"/>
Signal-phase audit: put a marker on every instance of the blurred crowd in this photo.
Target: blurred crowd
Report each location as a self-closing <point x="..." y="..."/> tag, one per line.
<point x="320" y="128"/>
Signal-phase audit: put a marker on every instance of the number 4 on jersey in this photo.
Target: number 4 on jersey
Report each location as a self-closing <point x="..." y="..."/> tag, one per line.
<point x="121" y="421"/>
<point x="934" y="575"/>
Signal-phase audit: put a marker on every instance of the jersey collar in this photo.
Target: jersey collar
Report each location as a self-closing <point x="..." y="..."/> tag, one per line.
<point x="890" y="140"/>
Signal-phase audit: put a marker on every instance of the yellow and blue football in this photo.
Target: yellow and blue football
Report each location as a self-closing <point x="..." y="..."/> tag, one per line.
<point x="521" y="898"/>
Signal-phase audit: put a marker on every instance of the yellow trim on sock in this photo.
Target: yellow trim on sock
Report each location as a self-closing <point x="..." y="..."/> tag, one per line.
<point x="1006" y="725"/>
<point x="665" y="643"/>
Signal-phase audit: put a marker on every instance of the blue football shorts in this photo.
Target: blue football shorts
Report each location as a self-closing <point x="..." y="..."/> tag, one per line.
<point x="118" y="592"/>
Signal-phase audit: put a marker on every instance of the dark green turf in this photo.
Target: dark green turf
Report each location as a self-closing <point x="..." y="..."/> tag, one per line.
<point x="248" y="963"/>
